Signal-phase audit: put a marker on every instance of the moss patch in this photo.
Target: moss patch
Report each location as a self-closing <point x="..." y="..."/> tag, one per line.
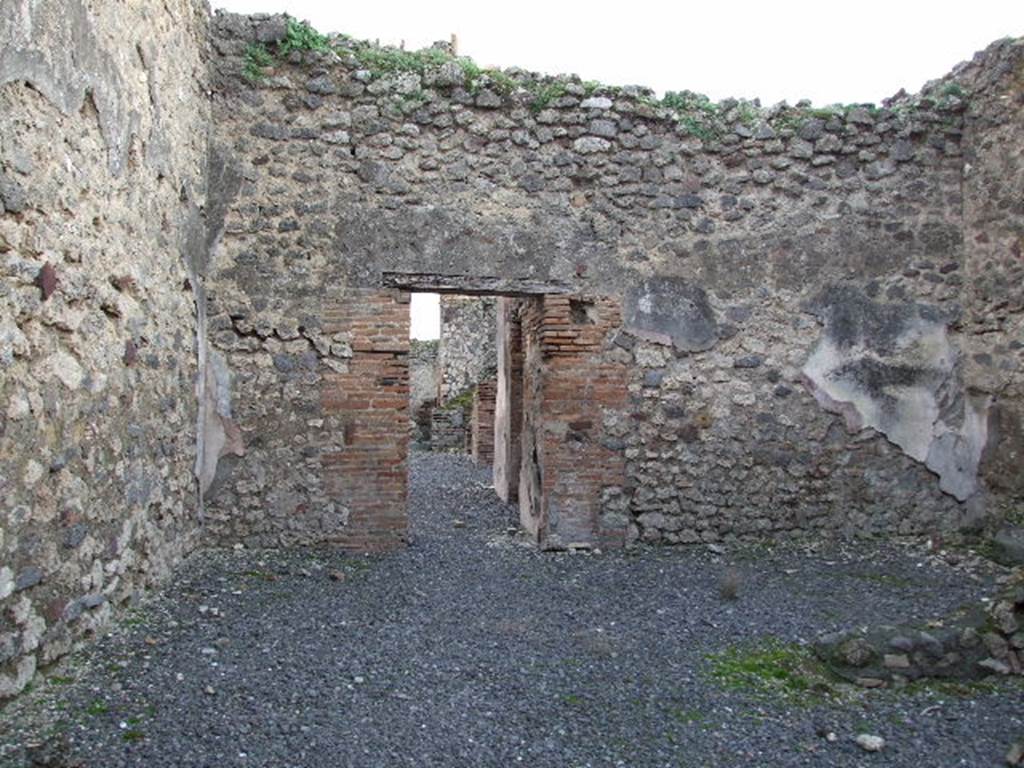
<point x="773" y="669"/>
<point x="97" y="708"/>
<point x="885" y="579"/>
<point x="963" y="689"/>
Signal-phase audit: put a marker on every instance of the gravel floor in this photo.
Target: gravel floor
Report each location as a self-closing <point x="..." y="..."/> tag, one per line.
<point x="471" y="649"/>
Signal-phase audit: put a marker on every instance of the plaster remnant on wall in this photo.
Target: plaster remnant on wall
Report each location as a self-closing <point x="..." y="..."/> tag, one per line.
<point x="221" y="436"/>
<point x="223" y="180"/>
<point x="53" y="45"/>
<point x="669" y="310"/>
<point x="892" y="367"/>
<point x="955" y="453"/>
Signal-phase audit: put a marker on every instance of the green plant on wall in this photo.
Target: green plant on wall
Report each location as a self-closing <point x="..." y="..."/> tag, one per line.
<point x="300" y="36"/>
<point x="501" y="82"/>
<point x="695" y="112"/>
<point x="545" y="95"/>
<point x="385" y="61"/>
<point x="256" y="58"/>
<point x="380" y="62"/>
<point x="748" y="113"/>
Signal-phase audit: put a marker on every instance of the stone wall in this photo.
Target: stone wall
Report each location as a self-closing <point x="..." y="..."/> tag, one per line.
<point x="976" y="641"/>
<point x="466" y="353"/>
<point x="450" y="430"/>
<point x="482" y="423"/>
<point x="423" y="387"/>
<point x="792" y="281"/>
<point x="103" y="148"/>
<point x="994" y="257"/>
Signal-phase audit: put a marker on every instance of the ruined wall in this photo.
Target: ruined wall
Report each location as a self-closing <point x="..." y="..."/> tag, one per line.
<point x="994" y="245"/>
<point x="792" y="280"/>
<point x="450" y="430"/>
<point x="466" y="352"/>
<point x="757" y="322"/>
<point x="423" y="371"/>
<point x="973" y="642"/>
<point x="423" y="386"/>
<point x="103" y="139"/>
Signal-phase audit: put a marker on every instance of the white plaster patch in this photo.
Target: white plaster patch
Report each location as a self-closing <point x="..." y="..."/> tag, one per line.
<point x="12" y="342"/>
<point x="6" y="582"/>
<point x="66" y="368"/>
<point x="650" y="357"/>
<point x="955" y="453"/>
<point x="898" y="394"/>
<point x="33" y="473"/>
<point x="18" y="406"/>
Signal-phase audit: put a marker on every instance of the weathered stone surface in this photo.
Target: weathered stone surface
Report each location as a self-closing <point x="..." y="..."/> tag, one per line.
<point x="272" y="30"/>
<point x="972" y="642"/>
<point x="466" y="351"/>
<point x="47" y="280"/>
<point x="12" y="195"/>
<point x="869" y="742"/>
<point x="587" y="145"/>
<point x="1015" y="754"/>
<point x="673" y="311"/>
<point x="28" y="577"/>
<point x="1008" y="546"/>
<point x="96" y="456"/>
<point x="891" y="367"/>
<point x="321" y="85"/>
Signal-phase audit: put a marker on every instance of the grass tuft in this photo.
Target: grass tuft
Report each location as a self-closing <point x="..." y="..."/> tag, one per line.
<point x="545" y="94"/>
<point x="97" y="708"/>
<point x="388" y="61"/>
<point x="256" y="58"/>
<point x="772" y="669"/>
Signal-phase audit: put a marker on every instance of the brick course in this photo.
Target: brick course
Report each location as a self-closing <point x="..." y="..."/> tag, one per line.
<point x="368" y="476"/>
<point x="483" y="422"/>
<point x="572" y="379"/>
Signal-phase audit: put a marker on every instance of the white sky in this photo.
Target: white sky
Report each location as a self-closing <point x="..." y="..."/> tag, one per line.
<point x="425" y="316"/>
<point x="861" y="51"/>
<point x="823" y="50"/>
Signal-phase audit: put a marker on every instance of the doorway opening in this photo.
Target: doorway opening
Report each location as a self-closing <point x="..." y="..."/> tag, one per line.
<point x="465" y="381"/>
<point x="520" y="381"/>
<point x="453" y="396"/>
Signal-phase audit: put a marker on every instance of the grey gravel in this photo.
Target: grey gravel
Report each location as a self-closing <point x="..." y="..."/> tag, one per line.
<point x="470" y="648"/>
